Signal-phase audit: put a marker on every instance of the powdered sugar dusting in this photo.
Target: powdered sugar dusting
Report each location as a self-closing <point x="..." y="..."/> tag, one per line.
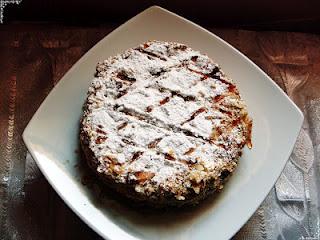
<point x="164" y="116"/>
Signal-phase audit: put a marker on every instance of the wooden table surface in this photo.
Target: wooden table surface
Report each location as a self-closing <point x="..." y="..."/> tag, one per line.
<point x="33" y="57"/>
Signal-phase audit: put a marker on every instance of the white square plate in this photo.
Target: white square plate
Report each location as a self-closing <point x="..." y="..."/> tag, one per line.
<point x="52" y="137"/>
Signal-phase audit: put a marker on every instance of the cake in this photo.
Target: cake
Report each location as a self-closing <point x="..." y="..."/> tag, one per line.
<point x="163" y="125"/>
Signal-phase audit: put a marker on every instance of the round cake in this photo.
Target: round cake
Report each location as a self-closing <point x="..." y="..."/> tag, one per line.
<point x="163" y="125"/>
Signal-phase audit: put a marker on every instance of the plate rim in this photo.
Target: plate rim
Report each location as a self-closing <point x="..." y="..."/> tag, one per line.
<point x="27" y="140"/>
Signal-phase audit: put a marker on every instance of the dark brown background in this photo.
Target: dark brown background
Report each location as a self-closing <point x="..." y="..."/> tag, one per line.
<point x="302" y="15"/>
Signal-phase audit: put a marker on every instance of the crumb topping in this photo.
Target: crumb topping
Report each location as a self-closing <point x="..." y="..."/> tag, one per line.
<point x="165" y="118"/>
